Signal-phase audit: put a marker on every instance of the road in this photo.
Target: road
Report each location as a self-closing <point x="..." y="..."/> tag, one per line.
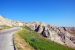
<point x="6" y="39"/>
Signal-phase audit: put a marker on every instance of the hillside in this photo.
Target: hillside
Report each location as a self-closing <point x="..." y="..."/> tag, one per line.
<point x="60" y="35"/>
<point x="8" y="22"/>
<point x="37" y="42"/>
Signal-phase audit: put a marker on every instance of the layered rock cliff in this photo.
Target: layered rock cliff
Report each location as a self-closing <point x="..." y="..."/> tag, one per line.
<point x="62" y="35"/>
<point x="8" y="22"/>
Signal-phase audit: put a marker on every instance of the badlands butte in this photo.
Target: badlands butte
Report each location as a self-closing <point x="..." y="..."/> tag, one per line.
<point x="61" y="35"/>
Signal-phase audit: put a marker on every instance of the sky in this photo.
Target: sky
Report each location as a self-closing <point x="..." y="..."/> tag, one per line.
<point x="56" y="12"/>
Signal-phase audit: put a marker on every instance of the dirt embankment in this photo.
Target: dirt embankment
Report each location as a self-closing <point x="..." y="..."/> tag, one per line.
<point x="21" y="44"/>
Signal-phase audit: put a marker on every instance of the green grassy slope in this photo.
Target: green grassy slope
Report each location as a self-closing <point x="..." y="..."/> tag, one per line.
<point x="39" y="42"/>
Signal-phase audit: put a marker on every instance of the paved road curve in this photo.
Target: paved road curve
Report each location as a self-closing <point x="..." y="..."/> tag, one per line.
<point x="6" y="39"/>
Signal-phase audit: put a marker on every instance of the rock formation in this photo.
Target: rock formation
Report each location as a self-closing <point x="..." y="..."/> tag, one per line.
<point x="7" y="22"/>
<point x="60" y="35"/>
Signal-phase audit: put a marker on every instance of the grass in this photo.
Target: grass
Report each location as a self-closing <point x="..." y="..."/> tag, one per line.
<point x="21" y="44"/>
<point x="38" y="42"/>
<point x="5" y="27"/>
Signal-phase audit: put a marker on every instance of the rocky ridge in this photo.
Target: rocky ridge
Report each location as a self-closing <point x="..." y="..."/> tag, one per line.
<point x="8" y="22"/>
<point x="60" y="35"/>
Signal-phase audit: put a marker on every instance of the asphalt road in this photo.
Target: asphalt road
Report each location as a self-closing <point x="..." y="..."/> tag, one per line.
<point x="6" y="39"/>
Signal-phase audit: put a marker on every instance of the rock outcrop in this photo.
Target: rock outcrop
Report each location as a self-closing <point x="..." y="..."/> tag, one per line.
<point x="62" y="35"/>
<point x="8" y="22"/>
<point x="57" y="34"/>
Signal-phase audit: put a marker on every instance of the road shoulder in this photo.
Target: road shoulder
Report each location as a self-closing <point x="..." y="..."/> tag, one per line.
<point x="21" y="44"/>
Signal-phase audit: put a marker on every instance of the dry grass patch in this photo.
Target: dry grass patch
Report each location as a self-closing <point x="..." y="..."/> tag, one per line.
<point x="21" y="44"/>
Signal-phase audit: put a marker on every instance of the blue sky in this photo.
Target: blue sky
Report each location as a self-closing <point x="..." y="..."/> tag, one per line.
<point x="57" y="12"/>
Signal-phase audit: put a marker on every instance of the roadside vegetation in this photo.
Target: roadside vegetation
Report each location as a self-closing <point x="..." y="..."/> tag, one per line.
<point x="21" y="44"/>
<point x="38" y="42"/>
<point x="4" y="27"/>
